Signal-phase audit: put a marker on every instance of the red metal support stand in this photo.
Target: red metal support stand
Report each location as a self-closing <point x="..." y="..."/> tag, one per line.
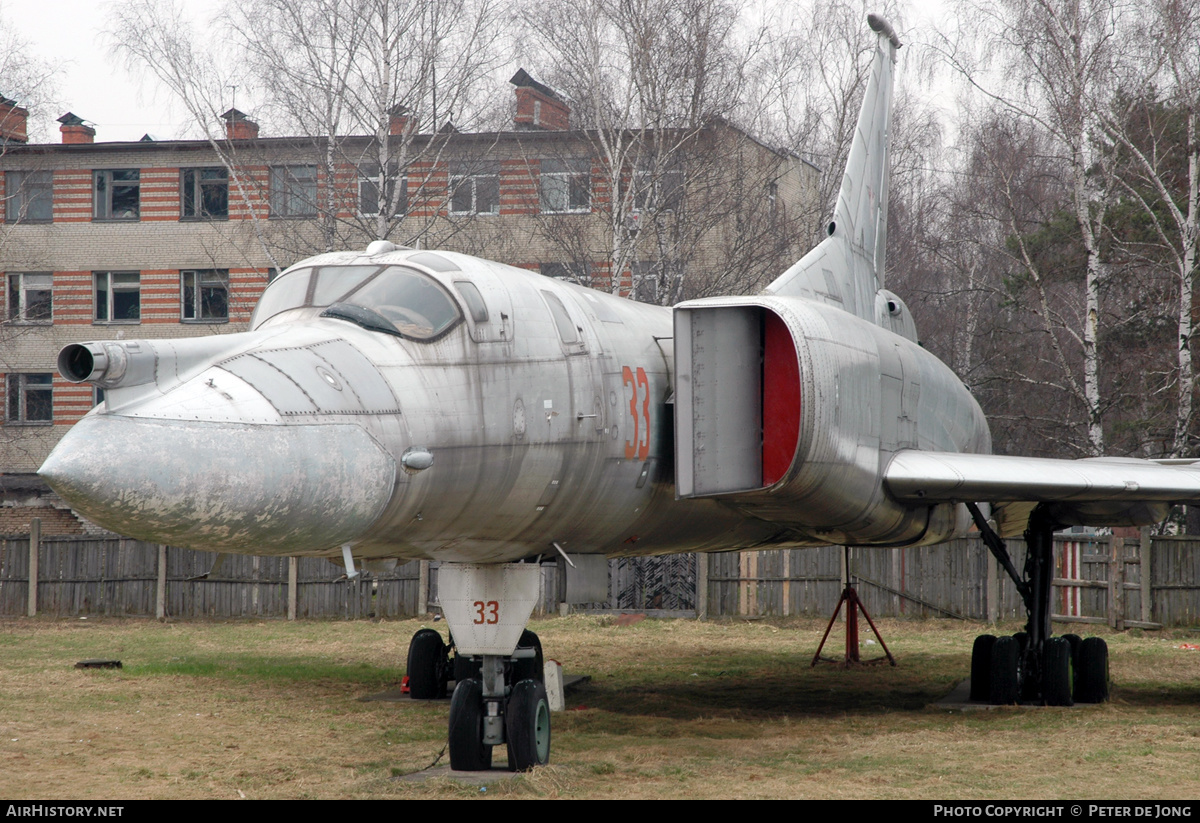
<point x="853" y="607"/>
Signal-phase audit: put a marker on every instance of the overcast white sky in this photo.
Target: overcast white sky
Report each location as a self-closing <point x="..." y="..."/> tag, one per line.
<point x="90" y="83"/>
<point x="93" y="85"/>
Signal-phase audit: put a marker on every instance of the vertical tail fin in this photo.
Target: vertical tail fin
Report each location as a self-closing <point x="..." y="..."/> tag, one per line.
<point x="846" y="268"/>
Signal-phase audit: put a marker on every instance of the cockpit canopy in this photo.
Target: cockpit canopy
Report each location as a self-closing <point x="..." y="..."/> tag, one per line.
<point x="392" y="299"/>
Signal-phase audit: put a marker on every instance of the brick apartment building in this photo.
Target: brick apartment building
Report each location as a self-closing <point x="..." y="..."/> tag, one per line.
<point x="178" y="238"/>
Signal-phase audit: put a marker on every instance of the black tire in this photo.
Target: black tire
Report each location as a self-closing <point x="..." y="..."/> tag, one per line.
<point x="1075" y="640"/>
<point x="527" y="726"/>
<point x="1091" y="678"/>
<point x="426" y="665"/>
<point x="468" y="753"/>
<point x="1057" y="673"/>
<point x="981" y="668"/>
<point x="1005" y="674"/>
<point x="529" y="668"/>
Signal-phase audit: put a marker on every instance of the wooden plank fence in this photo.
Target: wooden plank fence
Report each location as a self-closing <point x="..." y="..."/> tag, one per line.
<point x="1119" y="581"/>
<point x="116" y="576"/>
<point x="1099" y="579"/>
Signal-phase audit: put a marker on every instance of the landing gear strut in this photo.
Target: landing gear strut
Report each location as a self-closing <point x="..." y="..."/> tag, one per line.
<point x="1033" y="666"/>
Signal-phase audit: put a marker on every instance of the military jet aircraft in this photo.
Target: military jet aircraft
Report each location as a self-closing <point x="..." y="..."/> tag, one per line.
<point x="398" y="403"/>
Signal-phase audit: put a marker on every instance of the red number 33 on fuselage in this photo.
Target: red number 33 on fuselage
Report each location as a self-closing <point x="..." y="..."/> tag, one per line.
<point x="638" y="444"/>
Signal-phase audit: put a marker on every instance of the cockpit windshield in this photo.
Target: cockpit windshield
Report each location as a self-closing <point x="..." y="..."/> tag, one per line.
<point x="418" y="307"/>
<point x="394" y="299"/>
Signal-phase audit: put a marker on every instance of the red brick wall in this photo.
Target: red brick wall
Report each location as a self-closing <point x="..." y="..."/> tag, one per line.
<point x="72" y="196"/>
<point x="73" y="298"/>
<point x="255" y="181"/>
<point x="427" y="184"/>
<point x="245" y="287"/>
<point x="159" y="194"/>
<point x="551" y="114"/>
<point x="160" y="296"/>
<point x="518" y="191"/>
<point x="71" y="401"/>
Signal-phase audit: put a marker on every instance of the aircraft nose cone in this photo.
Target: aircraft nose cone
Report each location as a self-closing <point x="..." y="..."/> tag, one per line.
<point x="223" y="485"/>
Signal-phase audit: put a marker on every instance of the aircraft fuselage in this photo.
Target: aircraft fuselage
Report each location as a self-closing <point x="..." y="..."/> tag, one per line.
<point x="541" y="414"/>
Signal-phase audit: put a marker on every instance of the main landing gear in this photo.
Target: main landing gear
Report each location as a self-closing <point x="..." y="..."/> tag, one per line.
<point x="1031" y="666"/>
<point x="500" y="693"/>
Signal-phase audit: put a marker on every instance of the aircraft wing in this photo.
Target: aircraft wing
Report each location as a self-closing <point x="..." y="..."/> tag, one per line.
<point x="955" y="477"/>
<point x="1093" y="491"/>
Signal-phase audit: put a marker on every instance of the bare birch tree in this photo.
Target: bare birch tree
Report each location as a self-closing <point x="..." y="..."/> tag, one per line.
<point x="340" y="76"/>
<point x="395" y="70"/>
<point x="809" y="82"/>
<point x="1161" y="172"/>
<point x="157" y="40"/>
<point x="1057" y="64"/>
<point x="654" y="85"/>
<point x="27" y="89"/>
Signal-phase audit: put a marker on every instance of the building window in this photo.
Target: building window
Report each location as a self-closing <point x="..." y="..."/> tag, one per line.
<point x="657" y="187"/>
<point x="205" y="295"/>
<point x="475" y="188"/>
<point x="30" y="398"/>
<point x="29" y="196"/>
<point x="205" y="193"/>
<point x="293" y="191"/>
<point x="368" y="191"/>
<point x="29" y="297"/>
<point x="118" y="297"/>
<point x="565" y="186"/>
<point x="644" y="274"/>
<point x="117" y="194"/>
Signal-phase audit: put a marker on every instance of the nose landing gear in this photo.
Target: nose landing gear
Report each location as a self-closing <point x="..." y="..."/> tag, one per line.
<point x="500" y="695"/>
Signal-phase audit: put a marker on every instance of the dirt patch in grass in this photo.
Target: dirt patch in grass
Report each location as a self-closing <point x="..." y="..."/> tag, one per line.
<point x="674" y="709"/>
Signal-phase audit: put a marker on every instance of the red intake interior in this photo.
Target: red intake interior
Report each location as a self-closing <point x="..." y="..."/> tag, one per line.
<point x="781" y="399"/>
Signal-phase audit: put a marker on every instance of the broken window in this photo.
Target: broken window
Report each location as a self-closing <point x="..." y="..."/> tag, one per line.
<point x="30" y="297"/>
<point x="117" y="194"/>
<point x="475" y="188"/>
<point x="293" y="191"/>
<point x="205" y="295"/>
<point x="30" y="398"/>
<point x="204" y="193"/>
<point x="565" y="186"/>
<point x="29" y="196"/>
<point x="118" y="297"/>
